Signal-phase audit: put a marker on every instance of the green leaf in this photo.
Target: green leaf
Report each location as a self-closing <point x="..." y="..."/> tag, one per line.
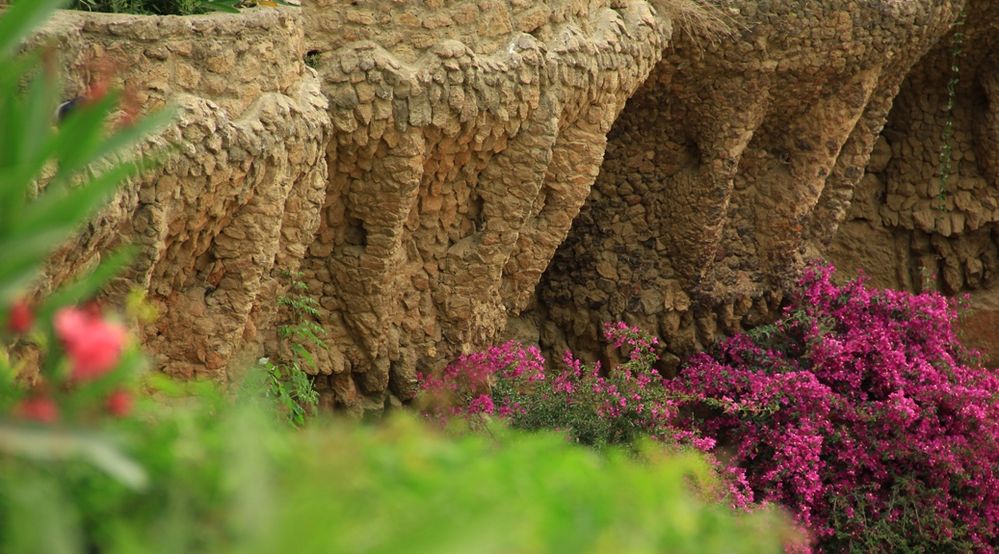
<point x="22" y="259"/>
<point x="80" y="136"/>
<point x="51" y="444"/>
<point x="67" y="211"/>
<point x="130" y="135"/>
<point x="20" y="19"/>
<point x="41" y="102"/>
<point x="16" y="172"/>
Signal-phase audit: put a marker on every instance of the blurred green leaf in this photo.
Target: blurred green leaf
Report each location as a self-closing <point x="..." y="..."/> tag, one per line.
<point x="20" y="19"/>
<point x="52" y="444"/>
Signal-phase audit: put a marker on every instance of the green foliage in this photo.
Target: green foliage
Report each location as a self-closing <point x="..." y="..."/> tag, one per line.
<point x="154" y="7"/>
<point x="224" y="477"/>
<point x="289" y="383"/>
<point x="170" y="7"/>
<point x="312" y="58"/>
<point x="911" y="530"/>
<point x="36" y="215"/>
<point x="584" y="419"/>
<point x="515" y="493"/>
<point x="292" y="389"/>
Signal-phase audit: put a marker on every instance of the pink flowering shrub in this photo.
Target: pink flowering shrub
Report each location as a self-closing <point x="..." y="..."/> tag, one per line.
<point x="859" y="411"/>
<point x="466" y="387"/>
<point x="591" y="405"/>
<point x="88" y="379"/>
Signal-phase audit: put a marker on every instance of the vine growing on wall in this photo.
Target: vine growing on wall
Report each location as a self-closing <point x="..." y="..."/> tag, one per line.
<point x="288" y="380"/>
<point x="947" y="138"/>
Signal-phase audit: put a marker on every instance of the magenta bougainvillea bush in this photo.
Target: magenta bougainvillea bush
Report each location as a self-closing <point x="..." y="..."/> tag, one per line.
<point x="858" y="410"/>
<point x="465" y="387"/>
<point x="594" y="405"/>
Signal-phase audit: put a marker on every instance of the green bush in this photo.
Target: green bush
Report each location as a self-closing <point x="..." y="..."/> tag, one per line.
<point x="168" y="7"/>
<point x="405" y="490"/>
<point x="229" y="477"/>
<point x="157" y="7"/>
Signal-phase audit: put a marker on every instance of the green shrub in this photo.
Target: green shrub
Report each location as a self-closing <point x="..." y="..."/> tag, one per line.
<point x="168" y="7"/>
<point x="157" y="7"/>
<point x="226" y="477"/>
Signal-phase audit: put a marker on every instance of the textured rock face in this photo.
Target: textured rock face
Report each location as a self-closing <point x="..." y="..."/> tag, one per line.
<point x="916" y="222"/>
<point x="466" y="139"/>
<point x="239" y="190"/>
<point x="727" y="162"/>
<point x="440" y="178"/>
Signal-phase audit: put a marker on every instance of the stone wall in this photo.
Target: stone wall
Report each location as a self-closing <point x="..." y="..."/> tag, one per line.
<point x="467" y="136"/>
<point x="912" y="223"/>
<point x="451" y="172"/>
<point x="242" y="177"/>
<point x="730" y="160"/>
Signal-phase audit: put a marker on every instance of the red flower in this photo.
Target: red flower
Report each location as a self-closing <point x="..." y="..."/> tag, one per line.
<point x="21" y="318"/>
<point x="119" y="403"/>
<point x="94" y="346"/>
<point x="38" y="408"/>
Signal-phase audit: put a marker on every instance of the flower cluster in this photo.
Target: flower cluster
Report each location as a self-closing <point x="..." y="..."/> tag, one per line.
<point x="593" y="403"/>
<point x="858" y="410"/>
<point x="465" y="387"/>
<point x="615" y="405"/>
<point x="92" y="344"/>
<point x="93" y="348"/>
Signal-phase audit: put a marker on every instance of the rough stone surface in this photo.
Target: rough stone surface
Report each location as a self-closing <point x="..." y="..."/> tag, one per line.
<point x="912" y="224"/>
<point x="243" y="175"/>
<point x="467" y="137"/>
<point x="452" y="172"/>
<point x="727" y="163"/>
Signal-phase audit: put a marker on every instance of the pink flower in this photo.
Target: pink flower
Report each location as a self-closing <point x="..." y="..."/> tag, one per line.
<point x="93" y="345"/>
<point x="38" y="408"/>
<point x="850" y="390"/>
<point x="482" y="405"/>
<point x="21" y="318"/>
<point x="119" y="403"/>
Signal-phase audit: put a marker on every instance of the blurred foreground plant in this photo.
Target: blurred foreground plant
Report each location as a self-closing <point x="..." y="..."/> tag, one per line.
<point x="226" y="476"/>
<point x="60" y="365"/>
